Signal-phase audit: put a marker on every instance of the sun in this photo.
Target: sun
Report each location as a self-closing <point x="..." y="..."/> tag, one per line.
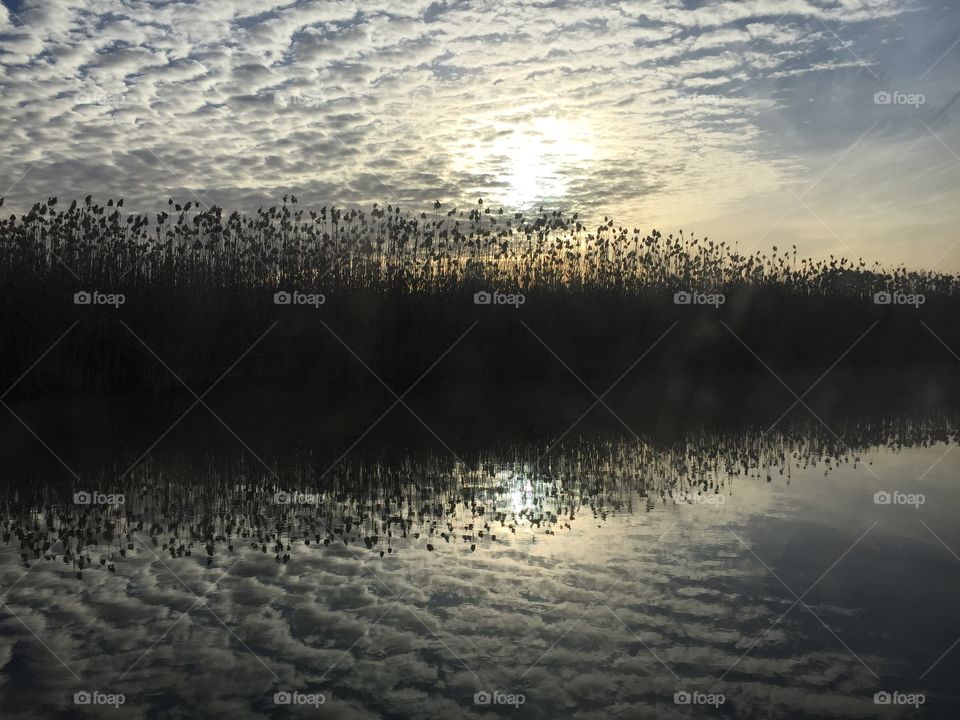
<point x="532" y="162"/>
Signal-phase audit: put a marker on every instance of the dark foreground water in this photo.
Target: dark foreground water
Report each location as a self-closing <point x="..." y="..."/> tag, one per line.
<point x="799" y="572"/>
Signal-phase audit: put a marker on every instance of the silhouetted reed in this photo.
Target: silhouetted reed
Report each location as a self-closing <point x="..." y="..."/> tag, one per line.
<point x="199" y="283"/>
<point x="386" y="249"/>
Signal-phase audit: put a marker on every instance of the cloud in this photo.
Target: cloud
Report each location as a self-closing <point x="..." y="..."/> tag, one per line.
<point x="600" y="618"/>
<point x="328" y="622"/>
<point x="344" y="102"/>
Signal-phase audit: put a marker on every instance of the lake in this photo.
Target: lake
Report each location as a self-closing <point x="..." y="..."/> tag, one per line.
<point x="723" y="569"/>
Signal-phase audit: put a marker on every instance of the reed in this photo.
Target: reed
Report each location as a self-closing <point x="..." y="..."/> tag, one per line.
<point x="387" y="249"/>
<point x="198" y="285"/>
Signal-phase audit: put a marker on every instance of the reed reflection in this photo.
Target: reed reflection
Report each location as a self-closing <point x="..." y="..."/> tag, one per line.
<point x="416" y="503"/>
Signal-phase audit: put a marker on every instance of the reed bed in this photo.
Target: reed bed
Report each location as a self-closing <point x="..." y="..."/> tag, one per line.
<point x="399" y="288"/>
<point x="387" y="249"/>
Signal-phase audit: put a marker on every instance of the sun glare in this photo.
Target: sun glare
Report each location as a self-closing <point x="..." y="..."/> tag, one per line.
<point x="532" y="162"/>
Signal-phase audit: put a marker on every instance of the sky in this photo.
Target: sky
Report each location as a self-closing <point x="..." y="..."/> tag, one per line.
<point x="833" y="126"/>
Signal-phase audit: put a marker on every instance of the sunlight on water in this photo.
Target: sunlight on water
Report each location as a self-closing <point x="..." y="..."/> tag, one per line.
<point x="610" y="578"/>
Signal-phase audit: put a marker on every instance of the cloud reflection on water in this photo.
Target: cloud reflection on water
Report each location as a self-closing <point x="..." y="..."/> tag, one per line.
<point x="641" y="597"/>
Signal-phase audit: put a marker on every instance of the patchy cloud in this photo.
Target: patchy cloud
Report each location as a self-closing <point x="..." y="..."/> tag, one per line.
<point x="418" y="634"/>
<point x="656" y="113"/>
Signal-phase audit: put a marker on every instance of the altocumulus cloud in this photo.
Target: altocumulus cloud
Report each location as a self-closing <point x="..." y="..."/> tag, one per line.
<point x="583" y="634"/>
<point x="650" y="111"/>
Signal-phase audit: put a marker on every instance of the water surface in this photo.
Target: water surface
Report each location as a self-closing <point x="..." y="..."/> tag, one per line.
<point x="599" y="579"/>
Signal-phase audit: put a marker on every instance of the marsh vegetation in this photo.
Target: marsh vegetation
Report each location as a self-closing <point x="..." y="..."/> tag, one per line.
<point x="398" y="288"/>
